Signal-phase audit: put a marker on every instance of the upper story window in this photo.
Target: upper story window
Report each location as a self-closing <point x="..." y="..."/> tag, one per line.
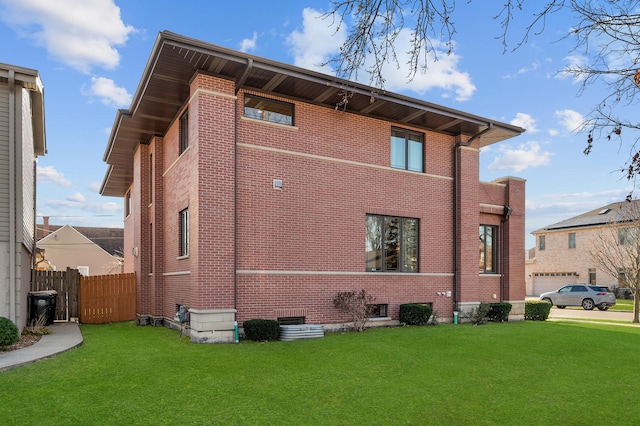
<point x="627" y="236"/>
<point x="488" y="244"/>
<point x="183" y="230"/>
<point x="391" y="244"/>
<point x="184" y="131"/>
<point x="572" y="240"/>
<point x="407" y="150"/>
<point x="269" y="110"/>
<point x="541" y="242"/>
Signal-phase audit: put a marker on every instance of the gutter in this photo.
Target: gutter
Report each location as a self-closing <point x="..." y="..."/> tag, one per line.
<point x="456" y="216"/>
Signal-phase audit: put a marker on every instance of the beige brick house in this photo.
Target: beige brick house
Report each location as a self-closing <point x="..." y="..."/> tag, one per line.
<point x="562" y="252"/>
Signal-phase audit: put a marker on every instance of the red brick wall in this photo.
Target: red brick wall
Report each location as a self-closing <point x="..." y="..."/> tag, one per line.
<point x="297" y="247"/>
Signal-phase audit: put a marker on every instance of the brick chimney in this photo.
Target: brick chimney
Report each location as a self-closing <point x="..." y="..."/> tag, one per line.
<point x="45" y="219"/>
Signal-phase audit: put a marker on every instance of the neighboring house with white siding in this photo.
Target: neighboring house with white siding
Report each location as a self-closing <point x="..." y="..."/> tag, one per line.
<point x="22" y="140"/>
<point x="562" y="253"/>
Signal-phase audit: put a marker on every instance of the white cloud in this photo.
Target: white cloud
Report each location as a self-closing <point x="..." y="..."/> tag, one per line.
<point x="49" y="174"/>
<point x="526" y="121"/>
<point x="248" y="44"/>
<point x="524" y="156"/>
<point x="553" y="132"/>
<point x="569" y="119"/>
<point x="442" y="73"/>
<point x="77" y="198"/>
<point x="78" y="33"/>
<point x="317" y="41"/>
<point x="574" y="64"/>
<point x="108" y="92"/>
<point x="94" y="186"/>
<point x="524" y="70"/>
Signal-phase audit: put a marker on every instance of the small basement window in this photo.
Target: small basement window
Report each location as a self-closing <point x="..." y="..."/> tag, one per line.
<point x="291" y="320"/>
<point x="269" y="110"/>
<point x="379" y="311"/>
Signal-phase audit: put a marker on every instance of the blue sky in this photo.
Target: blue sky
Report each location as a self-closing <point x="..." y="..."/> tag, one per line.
<point x="91" y="54"/>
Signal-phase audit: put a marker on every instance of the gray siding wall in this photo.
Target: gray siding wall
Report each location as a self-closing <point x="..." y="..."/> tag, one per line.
<point x="4" y="162"/>
<point x="26" y="166"/>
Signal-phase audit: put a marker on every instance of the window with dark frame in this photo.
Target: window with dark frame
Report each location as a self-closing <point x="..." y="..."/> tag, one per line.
<point x="407" y="150"/>
<point x="270" y="110"/>
<point x="127" y="204"/>
<point x="541" y="242"/>
<point x="572" y="240"/>
<point x="379" y="310"/>
<point x="391" y="244"/>
<point x="184" y="132"/>
<point x="488" y="244"/>
<point x="183" y="226"/>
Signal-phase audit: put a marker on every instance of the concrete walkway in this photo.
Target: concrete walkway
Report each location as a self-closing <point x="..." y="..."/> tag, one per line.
<point x="64" y="336"/>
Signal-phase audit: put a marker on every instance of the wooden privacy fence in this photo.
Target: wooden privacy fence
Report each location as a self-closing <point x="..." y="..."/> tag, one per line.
<point x="107" y="298"/>
<point x="65" y="283"/>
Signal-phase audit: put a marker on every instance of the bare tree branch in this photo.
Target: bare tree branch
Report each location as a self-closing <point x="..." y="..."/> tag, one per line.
<point x="616" y="250"/>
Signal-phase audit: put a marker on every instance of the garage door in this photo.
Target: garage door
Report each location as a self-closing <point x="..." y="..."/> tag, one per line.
<point x="543" y="282"/>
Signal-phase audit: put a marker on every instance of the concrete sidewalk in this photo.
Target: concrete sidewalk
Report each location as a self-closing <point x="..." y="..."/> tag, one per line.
<point x="64" y="336"/>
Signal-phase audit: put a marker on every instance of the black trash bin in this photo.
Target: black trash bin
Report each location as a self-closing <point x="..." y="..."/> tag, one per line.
<point x="42" y="304"/>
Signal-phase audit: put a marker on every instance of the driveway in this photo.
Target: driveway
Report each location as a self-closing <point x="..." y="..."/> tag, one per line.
<point x="595" y="315"/>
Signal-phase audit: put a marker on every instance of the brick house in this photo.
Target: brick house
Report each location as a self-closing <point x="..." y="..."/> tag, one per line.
<point x="563" y="250"/>
<point x="256" y="189"/>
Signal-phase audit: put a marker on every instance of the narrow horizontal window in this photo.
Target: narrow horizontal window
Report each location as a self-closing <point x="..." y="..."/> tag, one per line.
<point x="269" y="110"/>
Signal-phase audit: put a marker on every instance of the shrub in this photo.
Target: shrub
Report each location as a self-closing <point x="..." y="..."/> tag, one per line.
<point x="536" y="310"/>
<point x="499" y="312"/>
<point x="261" y="330"/>
<point x="624" y="293"/>
<point x="415" y="313"/>
<point x="8" y="332"/>
<point x="478" y="315"/>
<point x="358" y="305"/>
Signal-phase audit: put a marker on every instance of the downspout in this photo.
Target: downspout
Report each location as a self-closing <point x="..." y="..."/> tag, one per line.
<point x="505" y="217"/>
<point x="35" y="230"/>
<point x="239" y="83"/>
<point x="12" y="198"/>
<point x="456" y="217"/>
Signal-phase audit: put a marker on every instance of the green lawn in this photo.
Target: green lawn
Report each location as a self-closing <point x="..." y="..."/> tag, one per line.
<point x="534" y="373"/>
<point x="622" y="305"/>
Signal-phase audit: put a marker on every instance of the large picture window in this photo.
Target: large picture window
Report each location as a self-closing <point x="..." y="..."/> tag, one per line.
<point x="183" y="227"/>
<point x="268" y="110"/>
<point x="407" y="149"/>
<point x="391" y="244"/>
<point x="488" y="245"/>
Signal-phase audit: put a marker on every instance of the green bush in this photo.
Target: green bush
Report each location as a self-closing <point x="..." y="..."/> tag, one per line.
<point x="499" y="312"/>
<point x="536" y="310"/>
<point x="478" y="315"/>
<point x="261" y="330"/>
<point x="415" y="313"/>
<point x="8" y="332"/>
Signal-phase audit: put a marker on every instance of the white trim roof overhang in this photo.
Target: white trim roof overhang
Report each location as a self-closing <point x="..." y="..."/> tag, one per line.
<point x="175" y="59"/>
<point x="29" y="79"/>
